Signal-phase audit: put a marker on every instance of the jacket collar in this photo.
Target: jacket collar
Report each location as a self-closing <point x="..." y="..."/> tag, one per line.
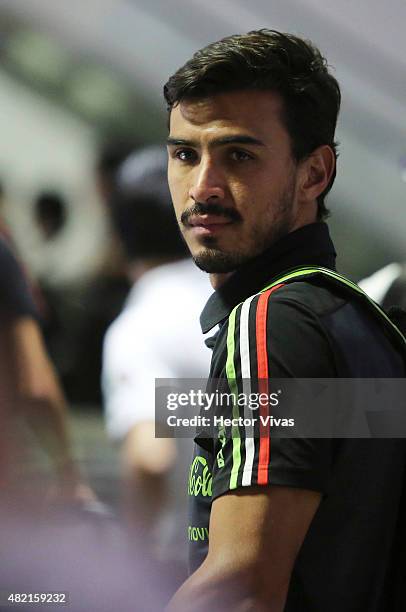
<point x="308" y="245"/>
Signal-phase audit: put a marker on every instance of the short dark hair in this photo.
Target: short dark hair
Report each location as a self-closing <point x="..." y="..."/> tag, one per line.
<point x="141" y="207"/>
<point x="50" y="210"/>
<point x="274" y="61"/>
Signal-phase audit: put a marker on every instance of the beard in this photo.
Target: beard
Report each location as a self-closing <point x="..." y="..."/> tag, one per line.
<point x="263" y="234"/>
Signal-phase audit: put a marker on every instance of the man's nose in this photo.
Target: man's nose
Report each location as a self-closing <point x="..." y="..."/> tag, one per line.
<point x="208" y="183"/>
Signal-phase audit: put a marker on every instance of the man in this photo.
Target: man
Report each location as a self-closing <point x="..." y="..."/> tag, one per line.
<point x="150" y="339"/>
<point x="293" y="524"/>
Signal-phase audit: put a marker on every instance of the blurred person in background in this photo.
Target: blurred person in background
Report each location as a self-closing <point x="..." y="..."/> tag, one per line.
<point x="62" y="294"/>
<point x="79" y="311"/>
<point x="50" y="214"/>
<point x="29" y="384"/>
<point x="52" y="239"/>
<point x="111" y="156"/>
<point x="102" y="299"/>
<point x="156" y="336"/>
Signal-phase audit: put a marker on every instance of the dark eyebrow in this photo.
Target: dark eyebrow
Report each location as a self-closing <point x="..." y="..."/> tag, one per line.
<point x="234" y="139"/>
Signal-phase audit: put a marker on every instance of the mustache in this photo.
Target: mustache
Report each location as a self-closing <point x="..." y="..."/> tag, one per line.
<point x="200" y="208"/>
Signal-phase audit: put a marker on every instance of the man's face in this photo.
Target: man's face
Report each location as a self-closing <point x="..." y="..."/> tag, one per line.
<point x="232" y="177"/>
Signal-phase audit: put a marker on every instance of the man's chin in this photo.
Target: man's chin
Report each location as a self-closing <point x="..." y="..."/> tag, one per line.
<point x="214" y="261"/>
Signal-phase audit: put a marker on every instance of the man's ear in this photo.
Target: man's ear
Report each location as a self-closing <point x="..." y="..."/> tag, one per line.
<point x="316" y="171"/>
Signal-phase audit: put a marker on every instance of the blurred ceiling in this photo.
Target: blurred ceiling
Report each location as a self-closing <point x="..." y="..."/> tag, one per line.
<point x="108" y="60"/>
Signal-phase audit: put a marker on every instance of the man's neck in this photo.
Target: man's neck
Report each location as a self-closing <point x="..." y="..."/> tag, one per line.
<point x="218" y="279"/>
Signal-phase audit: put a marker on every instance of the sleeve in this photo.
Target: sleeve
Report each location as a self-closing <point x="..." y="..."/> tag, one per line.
<point x="270" y="339"/>
<point x="15" y="295"/>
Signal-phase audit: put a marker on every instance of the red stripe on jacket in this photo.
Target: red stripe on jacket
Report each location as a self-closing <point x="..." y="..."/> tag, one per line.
<point x="263" y="387"/>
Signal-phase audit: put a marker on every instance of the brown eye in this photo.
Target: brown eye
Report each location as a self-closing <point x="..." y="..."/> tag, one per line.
<point x="185" y="155"/>
<point x="238" y="155"/>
